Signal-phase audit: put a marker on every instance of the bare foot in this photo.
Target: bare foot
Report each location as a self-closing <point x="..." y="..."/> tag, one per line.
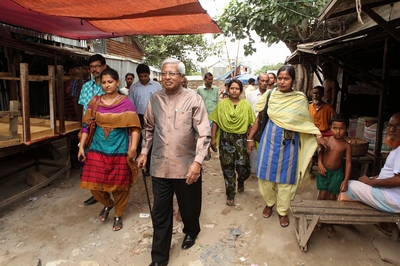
<point x="331" y="230"/>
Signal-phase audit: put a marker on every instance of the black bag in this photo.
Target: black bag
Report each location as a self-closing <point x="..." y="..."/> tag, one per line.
<point x="262" y="120"/>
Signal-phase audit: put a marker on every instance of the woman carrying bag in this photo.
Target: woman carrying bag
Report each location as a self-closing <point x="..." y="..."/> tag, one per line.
<point x="115" y="139"/>
<point x="288" y="141"/>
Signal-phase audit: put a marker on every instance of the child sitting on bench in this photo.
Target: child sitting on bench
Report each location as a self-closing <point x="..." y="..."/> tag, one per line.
<point x="330" y="175"/>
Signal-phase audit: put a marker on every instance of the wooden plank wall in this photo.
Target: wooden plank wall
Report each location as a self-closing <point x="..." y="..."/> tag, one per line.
<point x="124" y="49"/>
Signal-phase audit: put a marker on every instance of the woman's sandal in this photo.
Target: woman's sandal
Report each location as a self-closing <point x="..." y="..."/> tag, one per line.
<point x="267" y="211"/>
<point x="117" y="224"/>
<point x="284" y="221"/>
<point x="104" y="213"/>
<point x="240" y="187"/>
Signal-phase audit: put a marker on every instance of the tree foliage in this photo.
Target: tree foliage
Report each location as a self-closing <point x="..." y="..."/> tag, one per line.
<point x="274" y="21"/>
<point x="268" y="68"/>
<point x="187" y="48"/>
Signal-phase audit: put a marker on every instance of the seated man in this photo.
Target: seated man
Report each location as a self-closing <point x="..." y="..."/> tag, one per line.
<point x="381" y="192"/>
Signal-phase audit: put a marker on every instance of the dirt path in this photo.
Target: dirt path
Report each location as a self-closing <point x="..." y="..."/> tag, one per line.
<point x="52" y="227"/>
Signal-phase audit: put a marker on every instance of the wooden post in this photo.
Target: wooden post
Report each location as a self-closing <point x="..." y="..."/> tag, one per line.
<point x="52" y="98"/>
<point x="381" y="111"/>
<point x="13" y="84"/>
<point x="26" y="124"/>
<point x="79" y="108"/>
<point x="339" y="95"/>
<point x="68" y="158"/>
<point x="60" y="97"/>
<point x="13" y="121"/>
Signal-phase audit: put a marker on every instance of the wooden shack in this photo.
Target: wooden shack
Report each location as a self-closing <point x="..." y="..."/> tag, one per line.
<point x="17" y="126"/>
<point x="364" y="53"/>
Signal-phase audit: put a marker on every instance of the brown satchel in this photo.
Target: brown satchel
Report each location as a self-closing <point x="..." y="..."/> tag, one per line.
<point x="91" y="125"/>
<point x="134" y="169"/>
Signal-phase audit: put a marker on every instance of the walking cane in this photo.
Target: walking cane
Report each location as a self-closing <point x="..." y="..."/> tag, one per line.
<point x="147" y="193"/>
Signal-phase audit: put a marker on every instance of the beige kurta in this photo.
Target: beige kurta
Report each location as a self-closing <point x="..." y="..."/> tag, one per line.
<point x="177" y="128"/>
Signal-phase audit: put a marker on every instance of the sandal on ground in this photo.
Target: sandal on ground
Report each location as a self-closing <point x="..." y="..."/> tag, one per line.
<point x="104" y="213"/>
<point x="383" y="229"/>
<point x="240" y="187"/>
<point x="331" y="230"/>
<point x="284" y="220"/>
<point x="267" y="211"/>
<point x="117" y="224"/>
<point x="230" y="201"/>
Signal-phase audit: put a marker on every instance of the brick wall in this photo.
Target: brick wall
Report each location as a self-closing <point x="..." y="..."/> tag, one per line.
<point x="193" y="84"/>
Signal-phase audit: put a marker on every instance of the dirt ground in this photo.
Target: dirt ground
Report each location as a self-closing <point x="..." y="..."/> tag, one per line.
<point x="52" y="227"/>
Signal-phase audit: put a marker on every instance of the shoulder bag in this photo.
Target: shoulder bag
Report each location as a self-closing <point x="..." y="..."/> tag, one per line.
<point x="91" y="125"/>
<point x="262" y="120"/>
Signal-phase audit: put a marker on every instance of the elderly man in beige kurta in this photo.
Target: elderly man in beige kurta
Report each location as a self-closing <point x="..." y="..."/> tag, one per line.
<point x="176" y="126"/>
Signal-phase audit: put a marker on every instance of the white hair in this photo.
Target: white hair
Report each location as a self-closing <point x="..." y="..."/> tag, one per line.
<point x="181" y="66"/>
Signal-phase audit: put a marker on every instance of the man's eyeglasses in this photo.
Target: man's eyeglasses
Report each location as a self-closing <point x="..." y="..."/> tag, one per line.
<point x="171" y="74"/>
<point x="96" y="66"/>
<point x="394" y="127"/>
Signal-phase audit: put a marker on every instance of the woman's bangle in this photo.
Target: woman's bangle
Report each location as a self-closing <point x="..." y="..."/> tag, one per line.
<point x="249" y="140"/>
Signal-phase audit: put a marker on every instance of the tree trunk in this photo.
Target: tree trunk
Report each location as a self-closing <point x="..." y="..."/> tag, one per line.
<point x="303" y="75"/>
<point x="303" y="79"/>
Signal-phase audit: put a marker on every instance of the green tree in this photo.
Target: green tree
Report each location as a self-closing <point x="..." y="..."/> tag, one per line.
<point x="274" y="21"/>
<point x="268" y="68"/>
<point x="187" y="48"/>
<point x="291" y="22"/>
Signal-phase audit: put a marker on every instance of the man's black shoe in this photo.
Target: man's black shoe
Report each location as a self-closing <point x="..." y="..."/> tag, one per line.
<point x="90" y="201"/>
<point x="188" y="242"/>
<point x="159" y="264"/>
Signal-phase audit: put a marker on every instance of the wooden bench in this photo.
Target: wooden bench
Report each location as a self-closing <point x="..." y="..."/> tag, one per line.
<point x="308" y="213"/>
<point x="363" y="161"/>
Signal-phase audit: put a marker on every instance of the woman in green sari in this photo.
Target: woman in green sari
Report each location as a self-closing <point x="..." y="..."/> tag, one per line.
<point x="232" y="118"/>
